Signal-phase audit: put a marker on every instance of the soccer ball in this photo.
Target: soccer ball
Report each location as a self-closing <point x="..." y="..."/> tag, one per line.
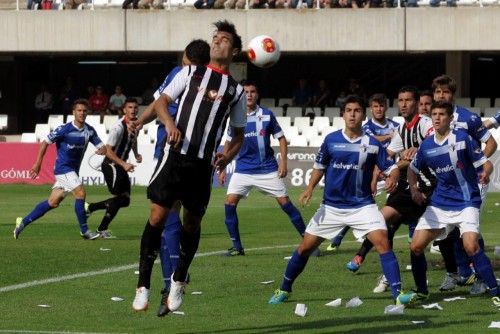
<point x="263" y="51"/>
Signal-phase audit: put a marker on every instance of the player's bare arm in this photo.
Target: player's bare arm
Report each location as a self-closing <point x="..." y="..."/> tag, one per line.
<point x="417" y="196"/>
<point x="233" y="147"/>
<point x="306" y="195"/>
<point x="283" y="163"/>
<point x="101" y="150"/>
<point x="484" y="175"/>
<point x="490" y="147"/>
<point x="160" y="107"/>
<point x="391" y="181"/>
<point x="111" y="155"/>
<point x="39" y="159"/>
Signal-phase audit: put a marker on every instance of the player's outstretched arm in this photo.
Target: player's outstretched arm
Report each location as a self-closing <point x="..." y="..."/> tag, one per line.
<point x="490" y="147"/>
<point x="283" y="163"/>
<point x="39" y="159"/>
<point x="306" y="195"/>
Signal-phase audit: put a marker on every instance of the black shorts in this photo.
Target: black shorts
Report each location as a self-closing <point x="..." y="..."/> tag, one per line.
<point x="116" y="178"/>
<point x="402" y="202"/>
<point x="182" y="178"/>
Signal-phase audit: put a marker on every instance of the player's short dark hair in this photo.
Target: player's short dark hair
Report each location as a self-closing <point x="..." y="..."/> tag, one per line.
<point x="410" y="89"/>
<point x="353" y="99"/>
<point x="82" y="102"/>
<point x="130" y="100"/>
<point x="250" y="83"/>
<point x="443" y="105"/>
<point x="444" y="80"/>
<point x="226" y="26"/>
<point x="198" y="52"/>
<point x="379" y="98"/>
<point x="426" y="92"/>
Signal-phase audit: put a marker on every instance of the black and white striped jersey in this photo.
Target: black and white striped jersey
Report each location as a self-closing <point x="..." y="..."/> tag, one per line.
<point x="121" y="140"/>
<point x="207" y="98"/>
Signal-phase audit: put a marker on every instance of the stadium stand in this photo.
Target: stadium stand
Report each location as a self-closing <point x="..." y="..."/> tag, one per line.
<point x="294" y="112"/>
<point x="109" y="120"/>
<point x="320" y="123"/>
<point x="28" y="137"/>
<point x="302" y="123"/>
<point x="298" y="141"/>
<point x="490" y="112"/>
<point x="55" y="120"/>
<point x="284" y="121"/>
<point x="464" y="101"/>
<point x="41" y="131"/>
<point x="268" y="102"/>
<point x="4" y="121"/>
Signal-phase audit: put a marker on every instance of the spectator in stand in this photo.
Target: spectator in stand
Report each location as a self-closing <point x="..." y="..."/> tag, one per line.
<point x="149" y="4"/>
<point x="351" y="4"/>
<point x="68" y="95"/>
<point x="73" y="4"/>
<point x="90" y="91"/>
<point x="34" y="4"/>
<point x="339" y="102"/>
<point x="322" y="3"/>
<point x="322" y="96"/>
<point x="99" y="102"/>
<point x="148" y="94"/>
<point x="302" y="97"/>
<point x="279" y="3"/>
<point x="437" y="3"/>
<point x="308" y="3"/>
<point x="354" y="88"/>
<point x="116" y="101"/>
<point x="126" y="4"/>
<point x="43" y="104"/>
<point x="204" y="4"/>
<point x="425" y="102"/>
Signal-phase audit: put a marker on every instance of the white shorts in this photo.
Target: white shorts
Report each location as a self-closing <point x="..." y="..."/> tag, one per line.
<point x="467" y="220"/>
<point x="328" y="221"/>
<point x="270" y="184"/>
<point x="67" y="182"/>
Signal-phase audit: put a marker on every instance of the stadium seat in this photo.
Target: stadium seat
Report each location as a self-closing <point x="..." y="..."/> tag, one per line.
<point x="497" y="103"/>
<point x="284" y="121"/>
<point x="69" y="118"/>
<point x="321" y="122"/>
<point x="109" y="121"/>
<point x="316" y="141"/>
<point x="143" y="138"/>
<point x="394" y="102"/>
<point x="463" y="102"/>
<point x="490" y="112"/>
<point x="141" y="110"/>
<point x="301" y="123"/>
<point x="28" y="137"/>
<point x="285" y="100"/>
<point x="294" y="112"/>
<point x="290" y="132"/>
<point x="338" y="122"/>
<point x="93" y="119"/>
<point x="4" y="121"/>
<point x="310" y="132"/>
<point x="101" y="132"/>
<point x="41" y="131"/>
<point x="482" y="102"/>
<point x="277" y="111"/>
<point x="268" y="102"/>
<point x="298" y="141"/>
<point x="328" y="130"/>
<point x="332" y="111"/>
<point x="152" y="130"/>
<point x="55" y="120"/>
<point x="476" y="110"/>
<point x="392" y="112"/>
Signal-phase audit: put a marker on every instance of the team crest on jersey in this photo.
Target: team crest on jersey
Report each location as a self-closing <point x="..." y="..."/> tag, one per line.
<point x="231" y="90"/>
<point x="460" y="165"/>
<point x="363" y="148"/>
<point x="452" y="147"/>
<point x="262" y="133"/>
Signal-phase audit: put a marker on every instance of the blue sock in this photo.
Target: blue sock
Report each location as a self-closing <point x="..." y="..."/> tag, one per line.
<point x="463" y="261"/>
<point x="170" y="246"/>
<point x="166" y="265"/>
<point x="483" y="267"/>
<point x="40" y="209"/>
<point x="390" y="267"/>
<point x="419" y="270"/>
<point x="295" y="266"/>
<point x="80" y="214"/>
<point x="337" y="240"/>
<point x="411" y="229"/>
<point x="232" y="226"/>
<point x="295" y="217"/>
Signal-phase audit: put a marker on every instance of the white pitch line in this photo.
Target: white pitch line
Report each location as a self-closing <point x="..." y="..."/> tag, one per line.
<point x="125" y="268"/>
<point x="47" y="332"/>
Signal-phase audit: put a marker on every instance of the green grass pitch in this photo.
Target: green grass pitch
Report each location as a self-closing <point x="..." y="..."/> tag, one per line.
<point x="233" y="299"/>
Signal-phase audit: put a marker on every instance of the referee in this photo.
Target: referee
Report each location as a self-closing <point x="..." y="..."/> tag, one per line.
<point x="115" y="168"/>
<point x="208" y="97"/>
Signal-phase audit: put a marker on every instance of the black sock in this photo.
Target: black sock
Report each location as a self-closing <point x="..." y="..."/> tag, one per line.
<point x="113" y="206"/>
<point x="189" y="246"/>
<point x="366" y="246"/>
<point x="100" y="205"/>
<point x="150" y="245"/>
<point x="447" y="248"/>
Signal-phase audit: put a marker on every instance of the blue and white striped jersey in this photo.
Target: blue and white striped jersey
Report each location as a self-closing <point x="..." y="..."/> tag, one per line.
<point x="495" y="120"/>
<point x="373" y="128"/>
<point x="256" y="155"/>
<point x="471" y="123"/>
<point x="455" y="162"/>
<point x="71" y="144"/>
<point x="348" y="166"/>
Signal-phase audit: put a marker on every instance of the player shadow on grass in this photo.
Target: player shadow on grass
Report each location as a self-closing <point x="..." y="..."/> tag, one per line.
<point x="332" y="325"/>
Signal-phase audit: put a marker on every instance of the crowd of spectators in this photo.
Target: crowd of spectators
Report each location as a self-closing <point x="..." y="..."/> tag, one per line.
<point x="242" y="4"/>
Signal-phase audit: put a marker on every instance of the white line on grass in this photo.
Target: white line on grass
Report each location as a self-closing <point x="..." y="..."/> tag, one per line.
<point x="125" y="268"/>
<point x="46" y="332"/>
